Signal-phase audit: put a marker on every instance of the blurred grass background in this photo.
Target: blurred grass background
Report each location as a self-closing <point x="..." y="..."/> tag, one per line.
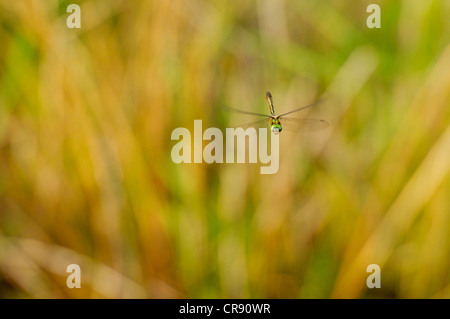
<point x="86" y="175"/>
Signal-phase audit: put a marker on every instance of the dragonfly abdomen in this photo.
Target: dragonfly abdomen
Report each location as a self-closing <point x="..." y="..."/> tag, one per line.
<point x="270" y="101"/>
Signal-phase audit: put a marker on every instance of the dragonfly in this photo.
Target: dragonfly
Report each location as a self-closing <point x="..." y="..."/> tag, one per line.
<point x="277" y="122"/>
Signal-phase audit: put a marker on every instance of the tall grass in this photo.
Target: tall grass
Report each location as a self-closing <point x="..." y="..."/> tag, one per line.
<point x="86" y="175"/>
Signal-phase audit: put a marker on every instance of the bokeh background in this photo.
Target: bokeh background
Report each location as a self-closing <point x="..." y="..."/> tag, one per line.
<point x="86" y="175"/>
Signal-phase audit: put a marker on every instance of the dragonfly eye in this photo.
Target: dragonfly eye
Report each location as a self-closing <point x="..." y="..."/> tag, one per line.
<point x="276" y="129"/>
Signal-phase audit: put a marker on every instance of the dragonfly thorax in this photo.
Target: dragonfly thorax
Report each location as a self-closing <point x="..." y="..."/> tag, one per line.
<point x="275" y="125"/>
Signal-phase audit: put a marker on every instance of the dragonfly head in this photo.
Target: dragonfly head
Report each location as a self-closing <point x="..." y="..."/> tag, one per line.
<point x="275" y="126"/>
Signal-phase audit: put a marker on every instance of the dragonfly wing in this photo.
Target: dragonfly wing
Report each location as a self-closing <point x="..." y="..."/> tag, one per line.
<point x="302" y="125"/>
<point x="257" y="124"/>
<point x="302" y="108"/>
<point x="230" y="109"/>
